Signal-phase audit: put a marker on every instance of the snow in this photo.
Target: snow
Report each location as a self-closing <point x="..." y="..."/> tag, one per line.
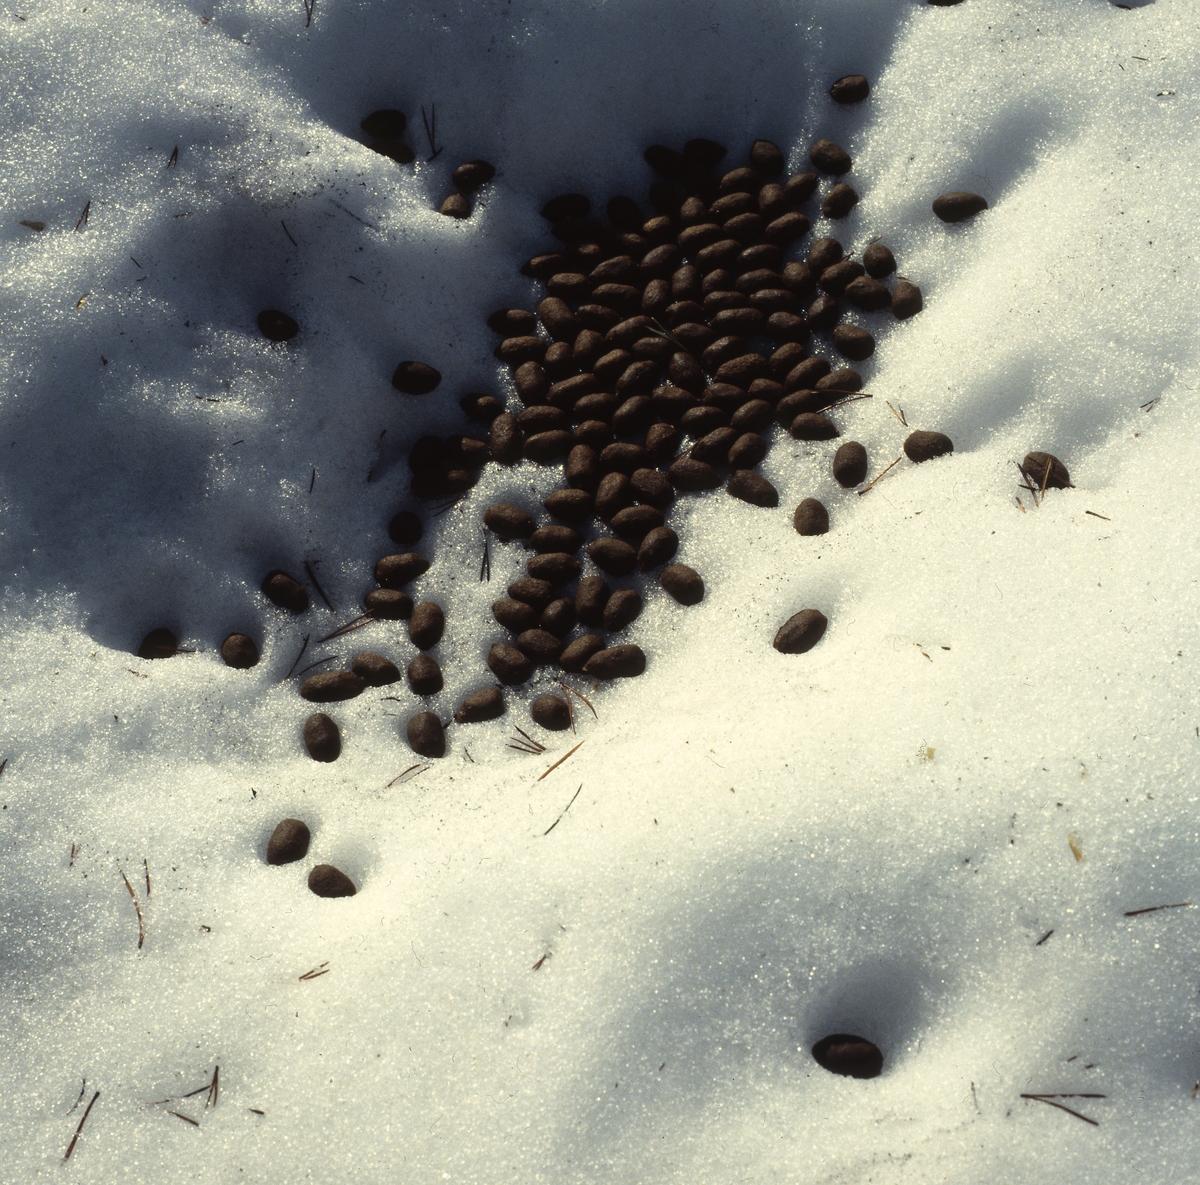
<point x="872" y="838"/>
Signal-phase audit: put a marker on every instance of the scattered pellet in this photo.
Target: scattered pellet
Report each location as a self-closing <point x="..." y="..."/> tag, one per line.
<point x="906" y="300"/>
<point x="1035" y="466"/>
<point x="813" y="426"/>
<point x="289" y="842"/>
<point x="530" y="378"/>
<point x="839" y="201"/>
<point x="811" y="518"/>
<point x="823" y="313"/>
<point x="322" y="738"/>
<point x="539" y="646"/>
<point x="772" y="201"/>
<point x="457" y="205"/>
<point x="479" y="706"/>
<point x="829" y="157"/>
<point x="616" y="662"/>
<point x="878" y="261"/>
<point x="159" y="643"/>
<point x="823" y="254"/>
<point x="614" y="556"/>
<point x="504" y="439"/>
<point x="332" y="686"/>
<point x="594" y="433"/>
<point x="481" y="408"/>
<point x="924" y="446"/>
<point x="558" y="617"/>
<point x="415" y="378"/>
<point x="651" y="487"/>
<point x="614" y="493"/>
<point x="785" y="359"/>
<point x="277" y="326"/>
<point x="868" y="294"/>
<point x="752" y="416"/>
<point x="395" y="571"/>
<point x="689" y="475"/>
<point x="515" y="615"/>
<point x="285" y="591"/>
<point x="634" y="415"/>
<point x="544" y="447"/>
<point x="842" y="1053"/>
<point x="239" y="652"/>
<point x="851" y="88"/>
<point x="634" y="523"/>
<point x="591" y="595"/>
<point x="576" y="655"/>
<point x="509" y="665"/>
<point x="538" y="593"/>
<point x="658" y="546"/>
<point x="326" y="881"/>
<point x="693" y="336"/>
<point x="713" y="448"/>
<point x="958" y="206"/>
<point x="843" y="379"/>
<point x="388" y="604"/>
<point x="508" y="522"/>
<point x="551" y="712"/>
<point x="748" y="486"/>
<point x="555" y="537"/>
<point x="854" y="342"/>
<point x="683" y="583"/>
<point x="374" y="670"/>
<point x="426" y="625"/>
<point x="424" y="675"/>
<point x="837" y="277"/>
<point x="425" y="735"/>
<point x="747" y="451"/>
<point x="786" y="229"/>
<point x="555" y="567"/>
<point x="623" y="457"/>
<point x="806" y="374"/>
<point x="766" y="158"/>
<point x="473" y="175"/>
<point x="571" y="506"/>
<point x="801" y="632"/>
<point x="850" y="464"/>
<point x="801" y="187"/>
<point x="623" y="607"/>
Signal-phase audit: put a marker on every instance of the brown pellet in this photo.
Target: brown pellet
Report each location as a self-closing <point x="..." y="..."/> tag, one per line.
<point x="766" y="158"/>
<point x="801" y="187"/>
<point x="854" y="342"/>
<point x="424" y="675"/>
<point x="1035" y="467"/>
<point x="551" y="712"/>
<point x="597" y="317"/>
<point x="558" y="617"/>
<point x="322" y="738"/>
<point x="531" y="381"/>
<point x="693" y="336"/>
<point x="582" y="469"/>
<point x="591" y="595"/>
<point x="326" y="881"/>
<point x="958" y="206"/>
<point x="634" y="415"/>
<point x="569" y="285"/>
<point x="623" y="608"/>
<point x="395" y="571"/>
<point x="289" y="842"/>
<point x="906" y="300"/>
<point x="574" y="657"/>
<point x="332" y="686"/>
<point x="829" y="157"/>
<point x="614" y="493"/>
<point x="623" y="457"/>
<point x="616" y="662"/>
<point x="878" y="261"/>
<point x="806" y="374"/>
<point x="285" y="591"/>
<point x="850" y="464"/>
<point x="239" y="652"/>
<point x="425" y="735"/>
<point x="426" y="625"/>
<point x="651" y="487"/>
<point x="415" y="378"/>
<point x="725" y="396"/>
<point x="560" y="322"/>
<point x="868" y="294"/>
<point x="813" y="426"/>
<point x="634" y="523"/>
<point x="473" y="175"/>
<point x="924" y="446"/>
<point x="688" y="474"/>
<point x="843" y="379"/>
<point x="823" y="254"/>
<point x="388" y="604"/>
<point x="837" y="277"/>
<point x="748" y="228"/>
<point x="748" y="486"/>
<point x="544" y="447"/>
<point x="571" y="506"/>
<point x="742" y="322"/>
<point x="741" y="181"/>
<point x="479" y="706"/>
<point x="614" y="556"/>
<point x="374" y="670"/>
<point x="277" y="326"/>
<point x="540" y="646"/>
<point x="752" y="416"/>
<point x="810" y="518"/>
<point x="504" y="439"/>
<point x="843" y="1053"/>
<point x="509" y="665"/>
<point x="786" y="229"/>
<point x="801" y="632"/>
<point x="587" y="347"/>
<point x="535" y="592"/>
<point x="713" y="449"/>
<point x="481" y="408"/>
<point x="671" y="402"/>
<point x="823" y="313"/>
<point x="457" y="206"/>
<point x="785" y="359"/>
<point x="542" y="267"/>
<point x="839" y="201"/>
<point x="594" y="433"/>
<point x="159" y="643"/>
<point x="515" y="615"/>
<point x="742" y="370"/>
<point x="851" y="88"/>
<point x="772" y="201"/>
<point x="683" y="584"/>
<point x="747" y="451"/>
<point x="556" y="567"/>
<point x="657" y="548"/>
<point x="508" y="522"/>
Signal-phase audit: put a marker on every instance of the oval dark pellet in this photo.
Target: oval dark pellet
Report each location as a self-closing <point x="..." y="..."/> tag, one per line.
<point x="810" y="518"/>
<point x="616" y="662"/>
<point x="322" y="738"/>
<point x="671" y="402"/>
<point x="542" y="267"/>
<point x="785" y="359"/>
<point x="571" y="506"/>
<point x="554" y="537"/>
<point x="551" y="712"/>
<point x="829" y="157"/>
<point x="509" y="665"/>
<point x="843" y="1053"/>
<point x="424" y="675"/>
<point x="539" y="646"/>
<point x="713" y="449"/>
<point x="742" y="370"/>
<point x="906" y="300"/>
<point x="538" y="593"/>
<point x="623" y="457"/>
<point x="622" y="335"/>
<point x="689" y="475"/>
<point x="835" y="278"/>
<point x="772" y="201"/>
<point x="695" y="238"/>
<point x="240" y="652"/>
<point x="531" y="381"/>
<point x="556" y="567"/>
<point x="924" y="446"/>
<point x="851" y="88"/>
<point x="332" y="686"/>
<point x="850" y="464"/>
<point x="544" y="447"/>
<point x="634" y="415"/>
<point x="481" y="408"/>
<point x="634" y="523"/>
<point x="662" y="442"/>
<point x="742" y="180"/>
<point x="683" y="584"/>
<point x="878" y="261"/>
<point x="693" y="336"/>
<point x="504" y="439"/>
<point x="600" y="406"/>
<point x="716" y="301"/>
<point x="813" y="426"/>
<point x="587" y="347"/>
<point x="326" y="881"/>
<point x="657" y="548"/>
<point x="591" y="595"/>
<point x="574" y="658"/>
<point x="386" y="124"/>
<point x="558" y="618"/>
<point x="766" y="158"/>
<point x="843" y="379"/>
<point x="749" y="228"/>
<point x="725" y="396"/>
<point x="611" y="365"/>
<point x="388" y="604"/>
<point x="597" y="317"/>
<point x="656" y="298"/>
<point x="285" y="591"/>
<point x="747" y="451"/>
<point x="786" y="229"/>
<point x="614" y="493"/>
<point x="425" y="735"/>
<point x="479" y="706"/>
<point x="758" y="256"/>
<point x="801" y="187"/>
<point x="405" y="528"/>
<point x="289" y="842"/>
<point x="748" y="486"/>
<point x="788" y="327"/>
<point x="868" y="294"/>
<point x="651" y="487"/>
<point x="823" y="313"/>
<point x="742" y="322"/>
<point x="395" y="571"/>
<point x="823" y="254"/>
<point x="638" y="378"/>
<point x="799" y="280"/>
<point x="555" y="314"/>
<point x="804" y="400"/>
<point x="277" y="326"/>
<point x="730" y="206"/>
<point x="415" y="378"/>
<point x="1046" y="471"/>
<point x="700" y="421"/>
<point x="839" y="201"/>
<point x="566" y="393"/>
<point x="426" y="625"/>
<point x="757" y="279"/>
<point x="472" y="176"/>
<point x="625" y="298"/>
<point x="657" y="349"/>
<point x="515" y="615"/>
<point x="621" y="269"/>
<point x="594" y="433"/>
<point x="457" y="205"/>
<point x="614" y="556"/>
<point x="855" y="343"/>
<point x="775" y="300"/>
<point x="623" y="608"/>
<point x="958" y="206"/>
<point x="374" y="670"/>
<point x="805" y="375"/>
<point x="508" y="522"/>
<point x="582" y="470"/>
<point x="569" y="285"/>
<point x="160" y="643"/>
<point x="801" y="632"/>
<point x="721" y="254"/>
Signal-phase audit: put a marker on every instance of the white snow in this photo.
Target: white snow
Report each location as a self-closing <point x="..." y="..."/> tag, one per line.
<point x="871" y="838"/>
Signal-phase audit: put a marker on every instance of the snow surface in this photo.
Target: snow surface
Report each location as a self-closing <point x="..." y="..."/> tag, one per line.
<point x="872" y="837"/>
